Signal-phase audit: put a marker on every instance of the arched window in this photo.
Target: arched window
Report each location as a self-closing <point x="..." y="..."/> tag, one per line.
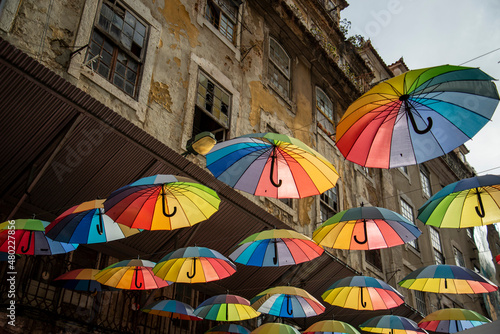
<point x="279" y="68"/>
<point x="324" y="112"/>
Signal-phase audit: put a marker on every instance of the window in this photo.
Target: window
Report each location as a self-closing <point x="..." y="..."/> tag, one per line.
<point x="470" y="231"/>
<point x="223" y="15"/>
<point x="328" y="204"/>
<point x="213" y="108"/>
<point x="279" y="68"/>
<point x="425" y="181"/>
<point x="420" y="301"/>
<point x="403" y="169"/>
<point x="436" y="245"/>
<point x="459" y="257"/>
<point x="324" y="113"/>
<point x="2" y="4"/>
<point x="374" y="258"/>
<point x="117" y="46"/>
<point x="407" y="212"/>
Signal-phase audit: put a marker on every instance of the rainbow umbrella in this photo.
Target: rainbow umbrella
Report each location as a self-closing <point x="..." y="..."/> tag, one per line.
<point x="228" y="329"/>
<point x="287" y="302"/>
<point x="416" y="116"/>
<point x="194" y="265"/>
<point x="226" y="308"/>
<point x="272" y="165"/>
<point x="444" y="278"/>
<point x="365" y="228"/>
<point x="275" y="328"/>
<point x="392" y="324"/>
<point x="362" y="293"/>
<point x="162" y="202"/>
<point x="331" y="327"/>
<point x="172" y="309"/>
<point x="87" y="224"/>
<point x="132" y="274"/>
<point x="30" y="238"/>
<point x="79" y="280"/>
<point x="275" y="248"/>
<point x="452" y="320"/>
<point x="469" y="202"/>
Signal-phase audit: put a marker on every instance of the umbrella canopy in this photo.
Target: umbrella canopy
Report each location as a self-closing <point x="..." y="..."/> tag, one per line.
<point x="132" y="274"/>
<point x="228" y="329"/>
<point x="275" y="328"/>
<point x="79" y="280"/>
<point x="469" y="202"/>
<point x="194" y="265"/>
<point x="30" y="238"/>
<point x="392" y="324"/>
<point x="416" y="116"/>
<point x="444" y="278"/>
<point x="362" y="293"/>
<point x="452" y="320"/>
<point x="162" y="202"/>
<point x="287" y="302"/>
<point x="87" y="224"/>
<point x="271" y="165"/>
<point x="331" y="327"/>
<point x="226" y="308"/>
<point x="171" y="309"/>
<point x="275" y="248"/>
<point x="497" y="258"/>
<point x="365" y="228"/>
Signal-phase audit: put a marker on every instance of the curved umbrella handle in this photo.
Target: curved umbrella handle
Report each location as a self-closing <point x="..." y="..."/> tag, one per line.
<point x="273" y="158"/>
<point x="412" y="120"/>
<point x="163" y="206"/>
<point x="23" y="250"/>
<point x="289" y="309"/>
<point x="480" y="210"/>
<point x="138" y="286"/>
<point x="100" y="227"/>
<point x="363" y="303"/>
<point x="194" y="270"/>
<point x="366" y="235"/>
<point x="275" y="258"/>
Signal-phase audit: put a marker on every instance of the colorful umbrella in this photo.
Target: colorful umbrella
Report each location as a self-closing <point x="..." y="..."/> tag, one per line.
<point x="226" y="308"/>
<point x="194" y="265"/>
<point x="162" y="202"/>
<point x="416" y="116"/>
<point x="392" y="324"/>
<point x="444" y="278"/>
<point x="275" y="248"/>
<point x="30" y="238"/>
<point x="469" y="202"/>
<point x="172" y="309"/>
<point x="79" y="280"/>
<point x="287" y="302"/>
<point x="362" y="293"/>
<point x="331" y="327"/>
<point x="497" y="258"/>
<point x="365" y="228"/>
<point x="272" y="165"/>
<point x="87" y="224"/>
<point x="275" y="328"/>
<point x="132" y="274"/>
<point x="228" y="329"/>
<point x="452" y="320"/>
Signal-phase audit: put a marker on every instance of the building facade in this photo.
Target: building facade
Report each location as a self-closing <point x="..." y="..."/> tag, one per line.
<point x="139" y="79"/>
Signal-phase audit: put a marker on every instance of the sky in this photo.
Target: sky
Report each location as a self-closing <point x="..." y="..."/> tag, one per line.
<point x="436" y="32"/>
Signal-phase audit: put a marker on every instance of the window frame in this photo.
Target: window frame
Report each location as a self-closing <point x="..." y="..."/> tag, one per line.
<point x="459" y="257"/>
<point x="275" y="64"/>
<point x="407" y="211"/>
<point x="330" y="128"/>
<point x="420" y="304"/>
<point x="437" y="246"/>
<point x="210" y="4"/>
<point x="425" y="181"/>
<point x="325" y="204"/>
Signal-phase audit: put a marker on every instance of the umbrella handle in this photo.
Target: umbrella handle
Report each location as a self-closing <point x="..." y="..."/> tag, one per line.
<point x="29" y="244"/>
<point x="363" y="303"/>
<point x="366" y="235"/>
<point x="414" y="124"/>
<point x="194" y="270"/>
<point x="480" y="210"/>
<point x="289" y="309"/>
<point x="273" y="158"/>
<point x="227" y="312"/>
<point x="99" y="227"/>
<point x="163" y="205"/>
<point x="138" y="286"/>
<point x="275" y="258"/>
